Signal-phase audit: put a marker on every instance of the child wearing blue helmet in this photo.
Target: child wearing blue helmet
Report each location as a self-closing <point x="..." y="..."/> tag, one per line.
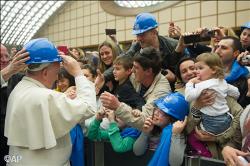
<point x="162" y="132"/>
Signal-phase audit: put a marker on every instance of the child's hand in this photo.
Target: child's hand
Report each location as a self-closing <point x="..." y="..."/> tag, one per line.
<point x="110" y="115"/>
<point x="136" y="113"/>
<point x="148" y="125"/>
<point x="100" y="115"/>
<point x="195" y="80"/>
<point x="178" y="126"/>
<point x="71" y="92"/>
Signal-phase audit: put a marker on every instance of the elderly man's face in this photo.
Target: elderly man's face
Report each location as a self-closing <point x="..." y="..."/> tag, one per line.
<point x="4" y="57"/>
<point x="52" y="74"/>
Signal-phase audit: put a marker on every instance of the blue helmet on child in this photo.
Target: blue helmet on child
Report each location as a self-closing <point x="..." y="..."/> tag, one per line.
<point x="144" y="22"/>
<point x="41" y="50"/>
<point x="246" y="25"/>
<point x="173" y="104"/>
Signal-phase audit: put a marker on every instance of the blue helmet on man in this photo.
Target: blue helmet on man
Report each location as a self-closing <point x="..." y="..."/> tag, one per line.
<point x="41" y="50"/>
<point x="144" y="22"/>
<point x="173" y="104"/>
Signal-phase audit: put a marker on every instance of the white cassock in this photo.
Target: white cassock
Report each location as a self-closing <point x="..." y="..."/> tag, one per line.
<point x="38" y="121"/>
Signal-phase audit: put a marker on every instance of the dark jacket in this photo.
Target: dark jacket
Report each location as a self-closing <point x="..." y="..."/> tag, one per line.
<point x="241" y="84"/>
<point x="127" y="94"/>
<point x="5" y="92"/>
<point x="168" y="54"/>
<point x="197" y="49"/>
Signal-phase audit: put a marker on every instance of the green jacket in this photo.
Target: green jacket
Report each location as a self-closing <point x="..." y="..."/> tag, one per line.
<point x="118" y="143"/>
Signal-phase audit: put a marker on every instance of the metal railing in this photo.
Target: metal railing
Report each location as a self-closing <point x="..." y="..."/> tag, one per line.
<point x="102" y="154"/>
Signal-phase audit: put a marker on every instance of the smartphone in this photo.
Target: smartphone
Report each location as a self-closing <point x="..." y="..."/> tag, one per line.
<point x="110" y="31"/>
<point x="63" y="49"/>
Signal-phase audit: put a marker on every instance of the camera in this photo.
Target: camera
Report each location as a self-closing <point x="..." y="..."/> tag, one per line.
<point x="164" y="72"/>
<point x="246" y="59"/>
<point x="205" y="35"/>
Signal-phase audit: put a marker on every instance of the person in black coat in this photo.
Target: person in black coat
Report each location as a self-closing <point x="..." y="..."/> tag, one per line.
<point x="125" y="90"/>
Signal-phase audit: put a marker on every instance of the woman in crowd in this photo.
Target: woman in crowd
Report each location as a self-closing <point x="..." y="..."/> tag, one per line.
<point x="107" y="54"/>
<point x="186" y="71"/>
<point x="77" y="53"/>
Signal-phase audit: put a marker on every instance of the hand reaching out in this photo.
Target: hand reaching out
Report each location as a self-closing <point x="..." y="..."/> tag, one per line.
<point x="178" y="126"/>
<point x="136" y="113"/>
<point x="71" y="92"/>
<point x="99" y="81"/>
<point x="100" y="115"/>
<point x="16" y="65"/>
<point x="110" y="115"/>
<point x="148" y="126"/>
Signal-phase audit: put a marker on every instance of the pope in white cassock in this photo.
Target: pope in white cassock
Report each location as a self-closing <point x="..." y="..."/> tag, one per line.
<point x="39" y="119"/>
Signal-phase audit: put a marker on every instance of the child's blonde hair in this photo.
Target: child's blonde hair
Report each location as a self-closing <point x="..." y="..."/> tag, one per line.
<point x="214" y="62"/>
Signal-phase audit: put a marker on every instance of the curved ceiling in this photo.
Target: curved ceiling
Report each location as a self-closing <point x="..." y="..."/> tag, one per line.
<point x="20" y="20"/>
<point x="136" y="4"/>
<point x="124" y="8"/>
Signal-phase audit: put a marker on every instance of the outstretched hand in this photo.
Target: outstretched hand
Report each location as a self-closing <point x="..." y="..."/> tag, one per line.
<point x="148" y="125"/>
<point x="109" y="101"/>
<point x="16" y="65"/>
<point x="230" y="156"/>
<point x="99" y="81"/>
<point x="178" y="126"/>
<point x="71" y="92"/>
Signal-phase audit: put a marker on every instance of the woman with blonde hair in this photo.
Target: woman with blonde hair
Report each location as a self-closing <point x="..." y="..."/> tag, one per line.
<point x="77" y="53"/>
<point x="107" y="54"/>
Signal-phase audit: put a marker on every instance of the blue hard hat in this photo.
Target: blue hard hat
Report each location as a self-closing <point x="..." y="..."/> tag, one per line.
<point x="144" y="22"/>
<point x="41" y="50"/>
<point x="246" y="25"/>
<point x="173" y="104"/>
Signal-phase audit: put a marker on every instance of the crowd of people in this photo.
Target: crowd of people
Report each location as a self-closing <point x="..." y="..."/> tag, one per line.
<point x="162" y="95"/>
